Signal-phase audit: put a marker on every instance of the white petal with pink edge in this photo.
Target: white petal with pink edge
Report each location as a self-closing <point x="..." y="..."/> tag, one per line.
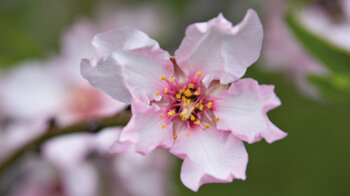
<point x="242" y="109"/>
<point x="139" y="59"/>
<point x="219" y="50"/>
<point x="107" y="77"/>
<point x="145" y="131"/>
<point x="210" y="156"/>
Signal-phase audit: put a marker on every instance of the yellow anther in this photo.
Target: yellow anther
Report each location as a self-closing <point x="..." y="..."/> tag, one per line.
<point x="165" y="90"/>
<point x="183" y="118"/>
<point x="170" y="113"/>
<point x="188" y="133"/>
<point x="157" y="93"/>
<point x="207" y="126"/>
<point x="192" y="117"/>
<point x="182" y="90"/>
<point x="161" y="116"/>
<point x="201" y="106"/>
<point x="197" y="105"/>
<point x="184" y="101"/>
<point x="163" y="126"/>
<point x="172" y="79"/>
<point x="197" y="122"/>
<point x="178" y="96"/>
<point x="209" y="104"/>
<point x="196" y="93"/>
<point x="199" y="74"/>
<point x="217" y="119"/>
<point x="181" y="114"/>
<point x="188" y="93"/>
<point x="188" y="101"/>
<point x="175" y="137"/>
<point x="191" y="85"/>
<point x="163" y="77"/>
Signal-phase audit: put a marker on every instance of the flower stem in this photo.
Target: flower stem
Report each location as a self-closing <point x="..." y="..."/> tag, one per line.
<point x="91" y="125"/>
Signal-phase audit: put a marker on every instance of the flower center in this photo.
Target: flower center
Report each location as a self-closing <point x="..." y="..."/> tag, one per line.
<point x="187" y="102"/>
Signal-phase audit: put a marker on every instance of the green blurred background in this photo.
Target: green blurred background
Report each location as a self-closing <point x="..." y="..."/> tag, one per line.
<point x="314" y="159"/>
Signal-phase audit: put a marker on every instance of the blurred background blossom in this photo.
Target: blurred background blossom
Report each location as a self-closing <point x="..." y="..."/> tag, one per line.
<point x="306" y="55"/>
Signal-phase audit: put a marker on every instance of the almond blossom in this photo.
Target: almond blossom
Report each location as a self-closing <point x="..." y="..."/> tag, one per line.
<point x="185" y="102"/>
<point x="79" y="164"/>
<point x="82" y="158"/>
<point x="329" y="20"/>
<point x="284" y="53"/>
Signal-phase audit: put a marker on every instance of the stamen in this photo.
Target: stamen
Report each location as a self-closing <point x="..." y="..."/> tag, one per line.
<point x="186" y="102"/>
<point x="172" y="112"/>
<point x="192" y="117"/>
<point x="209" y="105"/>
<point x="201" y="106"/>
<point x="188" y="93"/>
<point x="197" y="122"/>
<point x="173" y="116"/>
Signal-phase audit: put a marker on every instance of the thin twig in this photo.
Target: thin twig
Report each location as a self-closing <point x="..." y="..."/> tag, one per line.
<point x="91" y="125"/>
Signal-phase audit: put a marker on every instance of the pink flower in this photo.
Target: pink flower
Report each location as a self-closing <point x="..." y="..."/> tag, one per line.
<point x="184" y="103"/>
<point x="284" y="53"/>
<point x="329" y="20"/>
<point x="82" y="158"/>
<point x="36" y="91"/>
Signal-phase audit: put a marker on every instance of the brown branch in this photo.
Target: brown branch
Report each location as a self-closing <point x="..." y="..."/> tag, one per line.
<point x="92" y="125"/>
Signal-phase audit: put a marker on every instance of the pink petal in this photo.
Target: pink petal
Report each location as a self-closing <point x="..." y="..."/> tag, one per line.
<point x="69" y="151"/>
<point x="81" y="180"/>
<point x="242" y="109"/>
<point x="210" y="156"/>
<point x="107" y="77"/>
<point x="30" y="91"/>
<point x="136" y="57"/>
<point x="318" y="21"/>
<point x="144" y="175"/>
<point x="219" y="50"/>
<point x="105" y="138"/>
<point x="144" y="131"/>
